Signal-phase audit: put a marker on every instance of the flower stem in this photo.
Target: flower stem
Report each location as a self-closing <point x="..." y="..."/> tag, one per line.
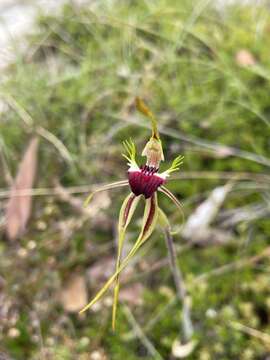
<point x="187" y="326"/>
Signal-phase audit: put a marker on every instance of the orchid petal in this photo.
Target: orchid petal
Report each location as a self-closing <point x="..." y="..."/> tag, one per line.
<point x="130" y="155"/>
<point x="174" y="167"/>
<point x="106" y="187"/>
<point x="127" y="210"/>
<point x="130" y="148"/>
<point x="148" y="225"/>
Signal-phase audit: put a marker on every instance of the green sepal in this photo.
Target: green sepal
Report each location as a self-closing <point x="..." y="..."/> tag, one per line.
<point x="148" y="225"/>
<point x="127" y="210"/>
<point x="103" y="188"/>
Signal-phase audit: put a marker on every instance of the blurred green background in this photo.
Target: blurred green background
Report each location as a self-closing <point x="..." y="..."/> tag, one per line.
<point x="204" y="69"/>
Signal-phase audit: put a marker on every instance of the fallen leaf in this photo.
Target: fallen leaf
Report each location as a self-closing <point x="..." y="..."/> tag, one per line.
<point x="197" y="227"/>
<point x="19" y="208"/>
<point x="245" y="58"/>
<point x="73" y="296"/>
<point x="212" y="236"/>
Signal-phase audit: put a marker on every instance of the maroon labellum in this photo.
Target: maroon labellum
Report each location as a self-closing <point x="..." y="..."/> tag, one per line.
<point x="145" y="181"/>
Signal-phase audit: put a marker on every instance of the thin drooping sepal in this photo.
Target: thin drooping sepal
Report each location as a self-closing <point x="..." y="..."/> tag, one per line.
<point x="170" y="195"/>
<point x="105" y="187"/>
<point x="127" y="210"/>
<point x="148" y="225"/>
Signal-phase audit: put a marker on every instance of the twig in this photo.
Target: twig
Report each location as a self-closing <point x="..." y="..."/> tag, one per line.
<point x="30" y="124"/>
<point x="264" y="337"/>
<point x="46" y="191"/>
<point x="75" y="202"/>
<point x="236" y="265"/>
<point x="222" y="175"/>
<point x="187" y="326"/>
<point x="58" y="144"/>
<point x="81" y="189"/>
<point x="140" y="334"/>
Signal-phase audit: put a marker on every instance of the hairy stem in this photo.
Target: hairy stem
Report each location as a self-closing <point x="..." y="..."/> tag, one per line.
<point x="187" y="326"/>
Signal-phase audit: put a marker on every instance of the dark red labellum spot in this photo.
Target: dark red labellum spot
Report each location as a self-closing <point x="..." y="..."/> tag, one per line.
<point x="145" y="181"/>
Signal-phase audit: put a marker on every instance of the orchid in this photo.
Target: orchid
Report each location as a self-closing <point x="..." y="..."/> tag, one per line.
<point x="144" y="181"/>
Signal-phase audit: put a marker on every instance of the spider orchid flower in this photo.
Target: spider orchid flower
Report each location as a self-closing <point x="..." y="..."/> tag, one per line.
<point x="144" y="182"/>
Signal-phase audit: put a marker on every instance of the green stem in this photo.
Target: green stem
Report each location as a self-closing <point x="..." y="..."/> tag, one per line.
<point x="187" y="326"/>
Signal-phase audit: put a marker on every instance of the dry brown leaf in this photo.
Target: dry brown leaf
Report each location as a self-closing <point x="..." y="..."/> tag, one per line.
<point x="245" y="58"/>
<point x="74" y="295"/>
<point x="198" y="226"/>
<point x="206" y="212"/>
<point x="19" y="208"/>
